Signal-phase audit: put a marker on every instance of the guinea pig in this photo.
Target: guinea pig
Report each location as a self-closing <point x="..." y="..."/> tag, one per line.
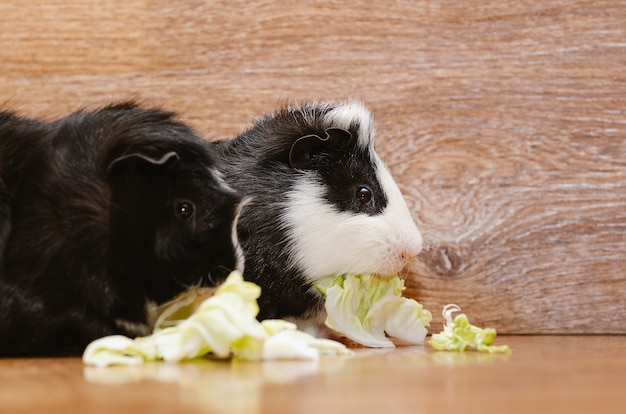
<point x="104" y="215"/>
<point x="322" y="203"/>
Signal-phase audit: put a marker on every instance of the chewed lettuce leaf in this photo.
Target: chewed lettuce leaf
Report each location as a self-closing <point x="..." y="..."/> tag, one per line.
<point x="223" y="325"/>
<point x="368" y="308"/>
<point x="459" y="335"/>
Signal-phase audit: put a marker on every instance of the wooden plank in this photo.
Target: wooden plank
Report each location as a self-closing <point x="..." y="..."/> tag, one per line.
<point x="504" y="123"/>
<point x="560" y="374"/>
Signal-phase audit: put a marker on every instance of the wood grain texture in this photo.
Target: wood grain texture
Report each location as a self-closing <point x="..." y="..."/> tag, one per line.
<point x="504" y="123"/>
<point x="544" y="374"/>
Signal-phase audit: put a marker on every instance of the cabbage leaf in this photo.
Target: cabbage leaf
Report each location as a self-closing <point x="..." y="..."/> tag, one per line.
<point x="368" y="308"/>
<point x="460" y="335"/>
<point x="224" y="325"/>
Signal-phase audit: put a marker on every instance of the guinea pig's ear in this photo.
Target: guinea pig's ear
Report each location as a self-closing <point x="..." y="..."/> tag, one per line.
<point x="135" y="158"/>
<point x="304" y="150"/>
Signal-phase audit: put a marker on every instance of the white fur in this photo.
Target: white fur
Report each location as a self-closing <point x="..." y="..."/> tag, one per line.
<point x="325" y="241"/>
<point x="239" y="255"/>
<point x="240" y="262"/>
<point x="353" y="113"/>
<point x="221" y="181"/>
<point x="137" y="328"/>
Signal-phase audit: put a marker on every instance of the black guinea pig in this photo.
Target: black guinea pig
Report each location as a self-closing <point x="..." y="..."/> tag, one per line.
<point x="322" y="203"/>
<point x="104" y="215"/>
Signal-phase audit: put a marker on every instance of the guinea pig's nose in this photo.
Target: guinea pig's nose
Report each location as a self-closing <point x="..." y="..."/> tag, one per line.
<point x="411" y="251"/>
<point x="405" y="256"/>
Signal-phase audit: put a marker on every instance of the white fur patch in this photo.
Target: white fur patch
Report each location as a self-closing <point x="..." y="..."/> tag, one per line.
<point x="325" y="241"/>
<point x="221" y="181"/>
<point x="136" y="328"/>
<point x="240" y="257"/>
<point x="353" y="113"/>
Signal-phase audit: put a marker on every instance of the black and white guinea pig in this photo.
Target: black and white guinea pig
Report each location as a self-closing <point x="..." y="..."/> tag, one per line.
<point x="322" y="203"/>
<point x="103" y="216"/>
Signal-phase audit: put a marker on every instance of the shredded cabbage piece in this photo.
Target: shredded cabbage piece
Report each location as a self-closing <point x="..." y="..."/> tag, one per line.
<point x="459" y="335"/>
<point x="368" y="308"/>
<point x="223" y="325"/>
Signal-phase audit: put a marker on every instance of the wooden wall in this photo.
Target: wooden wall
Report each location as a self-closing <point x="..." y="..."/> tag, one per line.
<point x="503" y="122"/>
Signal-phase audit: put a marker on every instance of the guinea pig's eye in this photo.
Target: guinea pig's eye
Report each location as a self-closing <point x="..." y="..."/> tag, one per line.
<point x="364" y="195"/>
<point x="184" y="209"/>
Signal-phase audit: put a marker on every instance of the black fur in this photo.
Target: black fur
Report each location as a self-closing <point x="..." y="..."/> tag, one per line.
<point x="264" y="163"/>
<point x="96" y="220"/>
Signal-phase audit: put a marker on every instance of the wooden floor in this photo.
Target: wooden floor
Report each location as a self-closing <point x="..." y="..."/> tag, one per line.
<point x="544" y="374"/>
